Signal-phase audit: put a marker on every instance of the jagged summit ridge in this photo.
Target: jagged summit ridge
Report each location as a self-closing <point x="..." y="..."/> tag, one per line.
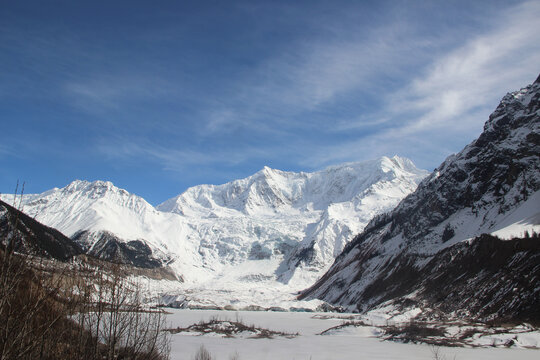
<point x="271" y="191"/>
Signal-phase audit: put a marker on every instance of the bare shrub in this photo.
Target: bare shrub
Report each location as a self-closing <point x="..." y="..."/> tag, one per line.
<point x="55" y="310"/>
<point x="115" y="315"/>
<point x="415" y="332"/>
<point x="437" y="353"/>
<point x="203" y="354"/>
<point x="29" y="314"/>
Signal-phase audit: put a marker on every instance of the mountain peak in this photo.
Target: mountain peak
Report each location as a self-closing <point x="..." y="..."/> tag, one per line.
<point x="78" y="185"/>
<point x="266" y="171"/>
<point x="94" y="188"/>
<point x="271" y="191"/>
<point x="399" y="162"/>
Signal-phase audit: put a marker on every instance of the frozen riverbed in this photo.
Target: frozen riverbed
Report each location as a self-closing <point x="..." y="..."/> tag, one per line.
<point x="357" y="343"/>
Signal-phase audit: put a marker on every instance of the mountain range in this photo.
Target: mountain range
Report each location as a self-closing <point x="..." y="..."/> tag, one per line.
<point x="272" y="232"/>
<point x="459" y="242"/>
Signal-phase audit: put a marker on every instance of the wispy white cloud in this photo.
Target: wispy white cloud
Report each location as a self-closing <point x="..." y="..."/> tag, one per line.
<point x="478" y="72"/>
<point x="309" y="75"/>
<point x="426" y="148"/>
<point x="4" y="151"/>
<point x="445" y="106"/>
<point x="433" y="98"/>
<point x="56" y="63"/>
<point x="431" y="115"/>
<point x="110" y="91"/>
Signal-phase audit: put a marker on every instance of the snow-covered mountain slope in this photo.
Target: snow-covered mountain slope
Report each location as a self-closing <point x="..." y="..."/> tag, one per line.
<point x="87" y="212"/>
<point x="272" y="230"/>
<point x="491" y="186"/>
<point x="287" y="213"/>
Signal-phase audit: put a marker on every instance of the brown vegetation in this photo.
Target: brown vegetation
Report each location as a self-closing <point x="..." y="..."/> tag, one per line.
<point x="55" y="310"/>
<point x="231" y="329"/>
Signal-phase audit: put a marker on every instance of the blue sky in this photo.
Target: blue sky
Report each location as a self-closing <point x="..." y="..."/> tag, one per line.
<point x="159" y="96"/>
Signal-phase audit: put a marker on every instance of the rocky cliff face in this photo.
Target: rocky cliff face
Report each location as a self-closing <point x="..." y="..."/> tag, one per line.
<point x="491" y="186"/>
<point x="106" y="246"/>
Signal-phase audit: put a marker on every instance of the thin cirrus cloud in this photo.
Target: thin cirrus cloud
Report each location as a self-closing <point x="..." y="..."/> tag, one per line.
<point x="310" y="75"/>
<point x="473" y="74"/>
<point x="453" y="95"/>
<point x="226" y="90"/>
<point x="108" y="92"/>
<point x="426" y="117"/>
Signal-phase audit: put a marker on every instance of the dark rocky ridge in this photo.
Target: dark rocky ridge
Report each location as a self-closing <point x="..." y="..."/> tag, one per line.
<point x="111" y="248"/>
<point x="32" y="237"/>
<point x="413" y="255"/>
<point x="487" y="278"/>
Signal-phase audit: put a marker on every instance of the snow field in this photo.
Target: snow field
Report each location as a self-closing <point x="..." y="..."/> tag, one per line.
<point x="357" y="343"/>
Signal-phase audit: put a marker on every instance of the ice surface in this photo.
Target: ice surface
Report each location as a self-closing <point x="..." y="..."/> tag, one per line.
<point x="357" y="344"/>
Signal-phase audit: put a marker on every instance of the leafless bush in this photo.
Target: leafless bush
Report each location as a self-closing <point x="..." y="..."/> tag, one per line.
<point x="203" y="354"/>
<point x="113" y="312"/>
<point x="32" y="319"/>
<point x="437" y="353"/>
<point x="415" y="332"/>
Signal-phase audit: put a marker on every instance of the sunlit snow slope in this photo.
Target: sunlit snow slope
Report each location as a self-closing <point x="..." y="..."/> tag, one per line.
<point x="273" y="233"/>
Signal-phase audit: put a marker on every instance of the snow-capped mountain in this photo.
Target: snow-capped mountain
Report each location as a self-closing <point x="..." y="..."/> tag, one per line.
<point x="272" y="230"/>
<point x="102" y="218"/>
<point x="316" y="212"/>
<point x="428" y="251"/>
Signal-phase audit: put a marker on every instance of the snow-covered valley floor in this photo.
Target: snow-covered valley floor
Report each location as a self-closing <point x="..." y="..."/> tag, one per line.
<point x="350" y="343"/>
